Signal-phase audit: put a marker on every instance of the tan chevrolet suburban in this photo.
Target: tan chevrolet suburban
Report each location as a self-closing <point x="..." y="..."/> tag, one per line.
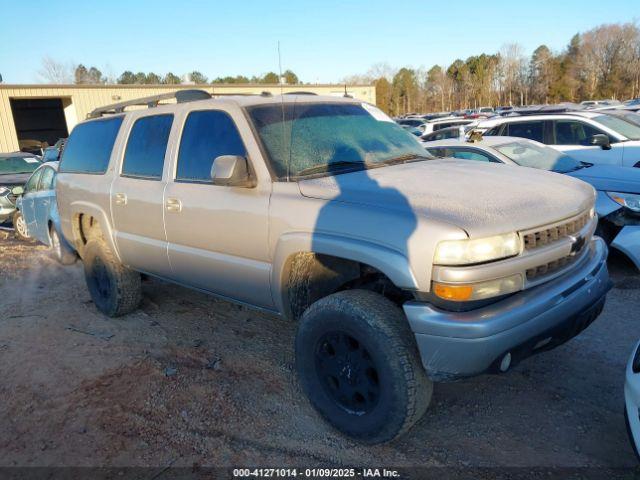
<point x="400" y="269"/>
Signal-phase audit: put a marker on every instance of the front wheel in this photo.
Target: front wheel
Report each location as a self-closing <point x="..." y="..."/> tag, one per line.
<point x="20" y="226"/>
<point x="358" y="364"/>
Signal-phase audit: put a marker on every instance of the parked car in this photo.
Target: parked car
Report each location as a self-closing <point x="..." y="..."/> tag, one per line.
<point x="399" y="268"/>
<point x="590" y="136"/>
<point x="38" y="208"/>
<point x="450" y="132"/>
<point x="599" y="103"/>
<point x="411" y="122"/>
<point x="618" y="201"/>
<point x="15" y="170"/>
<point x="435" y="125"/>
<point x="632" y="399"/>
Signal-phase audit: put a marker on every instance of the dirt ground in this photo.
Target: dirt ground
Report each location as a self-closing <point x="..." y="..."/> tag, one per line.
<point x="189" y="379"/>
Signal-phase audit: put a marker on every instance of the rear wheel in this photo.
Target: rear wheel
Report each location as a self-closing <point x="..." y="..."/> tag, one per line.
<point x="358" y="364"/>
<point x="20" y="226"/>
<point x="59" y="248"/>
<point x="114" y="288"/>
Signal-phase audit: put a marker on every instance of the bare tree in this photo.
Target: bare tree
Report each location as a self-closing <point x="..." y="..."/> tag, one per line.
<point x="53" y="71"/>
<point x="512" y="71"/>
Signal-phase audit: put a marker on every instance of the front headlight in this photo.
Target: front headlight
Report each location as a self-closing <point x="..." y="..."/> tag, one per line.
<point x="470" y="251"/>
<point x="629" y="200"/>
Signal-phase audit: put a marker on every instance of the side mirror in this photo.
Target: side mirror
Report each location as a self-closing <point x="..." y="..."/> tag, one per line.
<point x="17" y="191"/>
<point x="600" y="140"/>
<point x="231" y="171"/>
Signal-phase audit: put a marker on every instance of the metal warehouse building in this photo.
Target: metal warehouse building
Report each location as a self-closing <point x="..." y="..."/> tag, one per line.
<point x="45" y="113"/>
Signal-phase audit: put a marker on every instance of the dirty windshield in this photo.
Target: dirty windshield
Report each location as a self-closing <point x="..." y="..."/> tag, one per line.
<point x="541" y="157"/>
<point x="14" y="165"/>
<point x="310" y="139"/>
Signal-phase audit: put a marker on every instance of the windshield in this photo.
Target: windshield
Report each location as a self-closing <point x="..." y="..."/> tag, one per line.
<point x="13" y="165"/>
<point x="618" y="125"/>
<point x="312" y="138"/>
<point x="543" y="158"/>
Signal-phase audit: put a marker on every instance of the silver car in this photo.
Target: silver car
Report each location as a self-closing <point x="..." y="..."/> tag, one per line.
<point x="38" y="210"/>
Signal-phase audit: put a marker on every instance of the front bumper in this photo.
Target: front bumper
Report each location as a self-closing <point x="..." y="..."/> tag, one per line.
<point x="628" y="242"/>
<point x="461" y="344"/>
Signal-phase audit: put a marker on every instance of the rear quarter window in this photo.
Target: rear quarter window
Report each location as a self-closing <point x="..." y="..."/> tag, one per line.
<point x="89" y="147"/>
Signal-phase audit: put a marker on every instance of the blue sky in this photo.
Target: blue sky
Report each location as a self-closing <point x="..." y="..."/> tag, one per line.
<point x="321" y="40"/>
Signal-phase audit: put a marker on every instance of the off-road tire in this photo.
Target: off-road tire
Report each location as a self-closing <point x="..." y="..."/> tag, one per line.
<point x="382" y="334"/>
<point x="20" y="227"/>
<point x="59" y="248"/>
<point x="114" y="288"/>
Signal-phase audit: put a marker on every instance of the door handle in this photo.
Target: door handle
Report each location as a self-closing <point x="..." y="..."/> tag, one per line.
<point x="120" y="199"/>
<point x="174" y="205"/>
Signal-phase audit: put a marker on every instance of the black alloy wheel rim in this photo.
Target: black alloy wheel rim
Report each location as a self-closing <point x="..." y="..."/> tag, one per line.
<point x="347" y="372"/>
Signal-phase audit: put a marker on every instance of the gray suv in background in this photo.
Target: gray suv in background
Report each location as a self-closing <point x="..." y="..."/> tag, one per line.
<point x="399" y="268"/>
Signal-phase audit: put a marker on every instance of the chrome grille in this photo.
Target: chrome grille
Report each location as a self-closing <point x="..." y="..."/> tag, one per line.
<point x="549" y="235"/>
<point x="549" y="268"/>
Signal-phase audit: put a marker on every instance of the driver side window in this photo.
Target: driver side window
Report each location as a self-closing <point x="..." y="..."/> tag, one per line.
<point x="32" y="183"/>
<point x="573" y="132"/>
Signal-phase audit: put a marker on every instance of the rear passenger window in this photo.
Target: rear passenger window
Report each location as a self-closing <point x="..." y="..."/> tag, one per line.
<point x="89" y="146"/>
<point x="531" y="130"/>
<point x="206" y="135"/>
<point x="146" y="147"/>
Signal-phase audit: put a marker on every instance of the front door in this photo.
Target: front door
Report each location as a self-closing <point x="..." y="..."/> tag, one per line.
<point x="572" y="137"/>
<point x="136" y="196"/>
<point x="42" y="204"/>
<point x="218" y="235"/>
<point x="28" y="204"/>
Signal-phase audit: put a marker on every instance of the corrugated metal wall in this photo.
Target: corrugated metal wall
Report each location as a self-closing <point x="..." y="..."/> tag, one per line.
<point x="82" y="99"/>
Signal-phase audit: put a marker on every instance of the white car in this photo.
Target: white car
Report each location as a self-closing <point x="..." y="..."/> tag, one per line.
<point x="589" y="136"/>
<point x="440" y="123"/>
<point x="632" y="399"/>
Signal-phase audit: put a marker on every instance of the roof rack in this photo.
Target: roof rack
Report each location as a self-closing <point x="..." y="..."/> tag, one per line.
<point x="546" y="109"/>
<point x="181" y="96"/>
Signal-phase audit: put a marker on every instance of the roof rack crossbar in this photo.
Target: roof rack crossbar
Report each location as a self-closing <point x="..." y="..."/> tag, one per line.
<point x="181" y="96"/>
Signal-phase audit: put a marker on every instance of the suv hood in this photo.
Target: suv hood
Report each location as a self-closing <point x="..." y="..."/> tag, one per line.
<point x="481" y="198"/>
<point x="610" y="178"/>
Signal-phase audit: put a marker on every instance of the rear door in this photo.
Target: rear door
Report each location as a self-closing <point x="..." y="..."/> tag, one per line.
<point x="137" y="192"/>
<point x="217" y="235"/>
<point x="572" y="136"/>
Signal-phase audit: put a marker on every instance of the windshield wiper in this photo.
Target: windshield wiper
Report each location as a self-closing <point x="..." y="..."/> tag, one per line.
<point x="409" y="157"/>
<point x="329" y="167"/>
<point x="577" y="167"/>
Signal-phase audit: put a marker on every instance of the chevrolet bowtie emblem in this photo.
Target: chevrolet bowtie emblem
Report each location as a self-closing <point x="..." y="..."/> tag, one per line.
<point x="576" y="244"/>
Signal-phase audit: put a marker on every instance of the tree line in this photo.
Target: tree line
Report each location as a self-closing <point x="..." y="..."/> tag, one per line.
<point x="53" y="71"/>
<point x="602" y="63"/>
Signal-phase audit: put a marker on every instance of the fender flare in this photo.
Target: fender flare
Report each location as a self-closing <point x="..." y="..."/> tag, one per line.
<point x="383" y="258"/>
<point x="86" y="208"/>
